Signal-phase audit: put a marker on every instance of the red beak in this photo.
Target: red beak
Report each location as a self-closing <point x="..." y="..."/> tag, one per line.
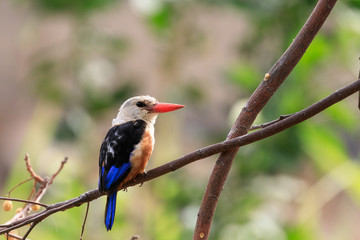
<point x="165" y="107"/>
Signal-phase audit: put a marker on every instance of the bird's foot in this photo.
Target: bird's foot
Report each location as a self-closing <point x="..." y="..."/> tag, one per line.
<point x="144" y="174"/>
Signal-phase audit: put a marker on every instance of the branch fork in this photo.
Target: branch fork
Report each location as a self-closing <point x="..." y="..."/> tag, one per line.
<point x="34" y="199"/>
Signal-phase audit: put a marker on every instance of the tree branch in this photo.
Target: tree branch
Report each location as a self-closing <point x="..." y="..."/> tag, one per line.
<point x="272" y="81"/>
<point x="264" y="125"/>
<point x="24" y="201"/>
<point x="196" y="155"/>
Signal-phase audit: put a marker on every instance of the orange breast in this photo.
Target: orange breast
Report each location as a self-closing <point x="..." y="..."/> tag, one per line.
<point x="140" y="156"/>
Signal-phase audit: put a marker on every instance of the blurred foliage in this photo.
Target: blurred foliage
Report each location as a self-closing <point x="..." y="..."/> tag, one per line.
<point x="72" y="6"/>
<point x="89" y="87"/>
<point x="353" y="3"/>
<point x="273" y="182"/>
<point x="162" y="20"/>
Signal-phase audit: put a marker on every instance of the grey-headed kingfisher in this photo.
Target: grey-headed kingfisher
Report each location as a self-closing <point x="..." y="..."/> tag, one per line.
<point x="127" y="147"/>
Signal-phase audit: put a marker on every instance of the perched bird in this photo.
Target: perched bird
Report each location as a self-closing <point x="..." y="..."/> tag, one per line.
<point x="127" y="147"/>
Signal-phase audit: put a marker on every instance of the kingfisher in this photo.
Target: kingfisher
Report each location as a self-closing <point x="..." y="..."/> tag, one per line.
<point x="127" y="147"/>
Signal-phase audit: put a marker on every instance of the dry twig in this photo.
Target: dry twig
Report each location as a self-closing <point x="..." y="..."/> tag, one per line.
<point x="83" y="226"/>
<point x="35" y="196"/>
<point x="14" y="236"/>
<point x="58" y="171"/>
<point x="24" y="201"/>
<point x="30" y="229"/>
<point x="31" y="171"/>
<point x="19" y="184"/>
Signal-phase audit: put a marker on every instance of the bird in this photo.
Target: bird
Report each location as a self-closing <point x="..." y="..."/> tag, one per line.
<point x="127" y="147"/>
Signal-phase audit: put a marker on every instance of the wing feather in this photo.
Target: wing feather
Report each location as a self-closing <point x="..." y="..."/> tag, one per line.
<point x="115" y="152"/>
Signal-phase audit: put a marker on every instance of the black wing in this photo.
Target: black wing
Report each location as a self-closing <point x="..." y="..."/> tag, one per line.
<point x="115" y="151"/>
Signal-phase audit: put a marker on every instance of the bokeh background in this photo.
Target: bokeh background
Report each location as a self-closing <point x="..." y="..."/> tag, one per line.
<point x="67" y="65"/>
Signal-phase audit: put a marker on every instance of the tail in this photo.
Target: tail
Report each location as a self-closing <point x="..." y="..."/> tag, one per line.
<point x="110" y="210"/>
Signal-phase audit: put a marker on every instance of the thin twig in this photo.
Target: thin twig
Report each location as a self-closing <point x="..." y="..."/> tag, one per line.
<point x="31" y="171"/>
<point x="14" y="236"/>
<point x="58" y="171"/>
<point x="30" y="229"/>
<point x="33" y="190"/>
<point x="24" y="201"/>
<point x="19" y="185"/>
<point x="264" y="125"/>
<point x="294" y="119"/>
<point x="83" y="226"/>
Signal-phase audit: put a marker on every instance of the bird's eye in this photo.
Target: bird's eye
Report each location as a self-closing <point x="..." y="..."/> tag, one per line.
<point x="140" y="104"/>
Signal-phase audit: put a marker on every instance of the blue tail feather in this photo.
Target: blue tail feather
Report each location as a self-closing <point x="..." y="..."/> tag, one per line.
<point x="114" y="174"/>
<point x="110" y="210"/>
